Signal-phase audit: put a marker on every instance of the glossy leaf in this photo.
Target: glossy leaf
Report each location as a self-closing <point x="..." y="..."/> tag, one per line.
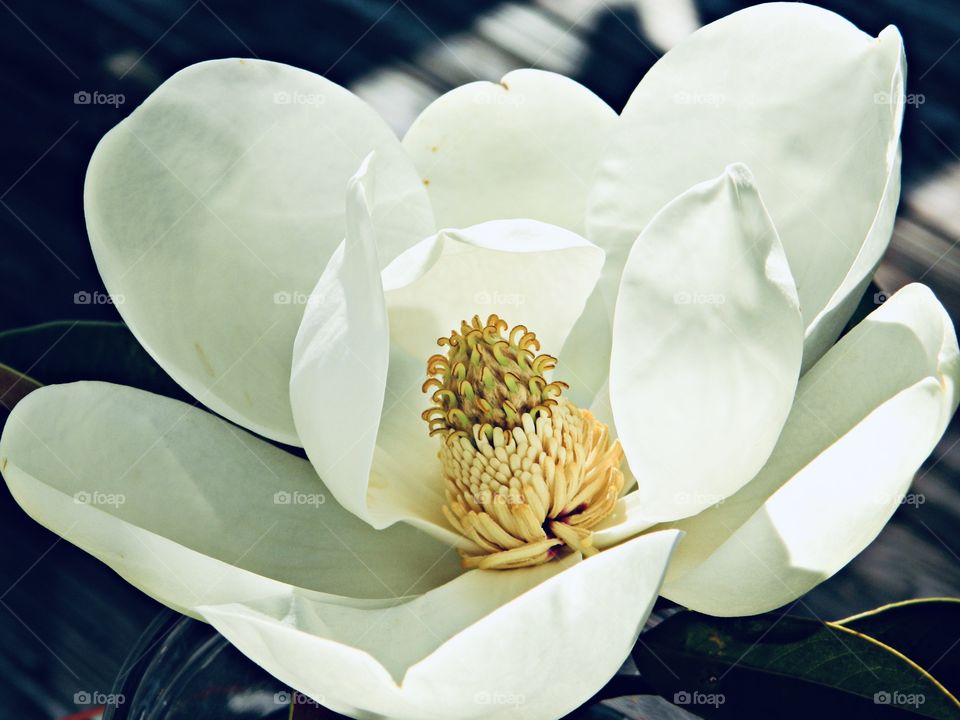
<point x="14" y="386"/>
<point x="926" y="630"/>
<point x="785" y="667"/>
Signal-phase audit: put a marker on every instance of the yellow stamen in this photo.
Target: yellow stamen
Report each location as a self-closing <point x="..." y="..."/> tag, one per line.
<point x="526" y="472"/>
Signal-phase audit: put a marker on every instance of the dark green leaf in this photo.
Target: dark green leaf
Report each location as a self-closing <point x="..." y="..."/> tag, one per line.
<point x="926" y="630"/>
<point x="780" y="666"/>
<point x="67" y="351"/>
<point x="14" y="386"/>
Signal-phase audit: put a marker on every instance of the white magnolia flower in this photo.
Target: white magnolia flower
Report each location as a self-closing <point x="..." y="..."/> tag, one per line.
<point x="691" y="319"/>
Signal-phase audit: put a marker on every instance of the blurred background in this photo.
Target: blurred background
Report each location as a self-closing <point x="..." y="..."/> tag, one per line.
<point x="67" y="622"/>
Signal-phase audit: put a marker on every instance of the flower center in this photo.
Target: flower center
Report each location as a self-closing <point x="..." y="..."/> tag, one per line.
<point x="526" y="472"/>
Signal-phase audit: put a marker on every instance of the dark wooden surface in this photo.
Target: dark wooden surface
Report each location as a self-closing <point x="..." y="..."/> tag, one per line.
<point x="66" y="622"/>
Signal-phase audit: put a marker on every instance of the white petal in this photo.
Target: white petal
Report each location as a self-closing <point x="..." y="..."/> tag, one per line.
<point x="626" y="521"/>
<point x="340" y="358"/>
<point x="813" y="106"/>
<point x="864" y="419"/>
<point x="707" y="341"/>
<point x="193" y="510"/>
<point x="822" y="331"/>
<point x="527" y="272"/>
<point x="585" y="358"/>
<point x="532" y="643"/>
<point x="213" y="209"/>
<point x="526" y="147"/>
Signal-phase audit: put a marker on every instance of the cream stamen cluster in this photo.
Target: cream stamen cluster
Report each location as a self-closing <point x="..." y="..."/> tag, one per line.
<point x="524" y="488"/>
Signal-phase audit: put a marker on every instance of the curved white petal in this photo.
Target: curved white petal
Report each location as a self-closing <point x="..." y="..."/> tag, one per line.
<point x="214" y="207"/>
<point x="193" y="510"/>
<point x="824" y="329"/>
<point x="585" y="357"/>
<point x="340" y="358"/>
<point x="864" y="419"/>
<point x="707" y="340"/>
<point x="526" y="147"/>
<point x="525" y="271"/>
<point x="626" y="521"/>
<point x="813" y="106"/>
<point x="532" y="643"/>
<point x="602" y="411"/>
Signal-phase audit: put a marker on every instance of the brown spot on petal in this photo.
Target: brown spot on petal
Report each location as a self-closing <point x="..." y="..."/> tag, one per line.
<point x="204" y="359"/>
